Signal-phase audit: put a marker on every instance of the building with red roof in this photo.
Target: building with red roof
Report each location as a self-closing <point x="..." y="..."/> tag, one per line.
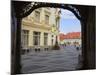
<point x="70" y="38"/>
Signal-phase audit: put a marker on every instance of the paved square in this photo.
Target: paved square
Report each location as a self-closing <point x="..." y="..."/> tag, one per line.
<point x="66" y="59"/>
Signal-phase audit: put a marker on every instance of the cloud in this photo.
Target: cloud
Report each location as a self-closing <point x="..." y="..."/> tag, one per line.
<point x="66" y="14"/>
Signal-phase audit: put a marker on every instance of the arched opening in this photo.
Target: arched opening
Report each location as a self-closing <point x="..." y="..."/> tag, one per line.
<point x="40" y="41"/>
<point x="23" y="9"/>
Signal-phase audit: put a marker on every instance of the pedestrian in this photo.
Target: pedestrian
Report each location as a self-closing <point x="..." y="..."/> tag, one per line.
<point x="77" y="48"/>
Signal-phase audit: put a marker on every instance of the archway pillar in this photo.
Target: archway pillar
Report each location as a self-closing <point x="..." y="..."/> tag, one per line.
<point x="88" y="38"/>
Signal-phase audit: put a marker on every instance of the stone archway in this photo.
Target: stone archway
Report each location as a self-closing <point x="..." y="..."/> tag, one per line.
<point x="23" y="9"/>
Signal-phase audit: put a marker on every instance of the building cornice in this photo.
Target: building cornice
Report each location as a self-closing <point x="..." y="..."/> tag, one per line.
<point x="37" y="25"/>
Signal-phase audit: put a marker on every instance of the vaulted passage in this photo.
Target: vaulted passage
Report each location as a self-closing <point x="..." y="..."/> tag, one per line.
<point x="83" y="13"/>
<point x="43" y="49"/>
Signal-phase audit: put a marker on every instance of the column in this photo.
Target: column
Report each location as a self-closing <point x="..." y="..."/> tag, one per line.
<point x="30" y="42"/>
<point x="49" y="39"/>
<point x="42" y="39"/>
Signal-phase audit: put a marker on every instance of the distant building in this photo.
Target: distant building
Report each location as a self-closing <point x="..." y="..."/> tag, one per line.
<point x="72" y="38"/>
<point x="40" y="28"/>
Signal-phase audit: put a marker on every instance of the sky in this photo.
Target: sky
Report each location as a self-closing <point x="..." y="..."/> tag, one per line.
<point x="69" y="22"/>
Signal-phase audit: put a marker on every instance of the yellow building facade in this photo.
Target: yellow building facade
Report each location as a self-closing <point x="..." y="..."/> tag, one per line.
<point x="40" y="28"/>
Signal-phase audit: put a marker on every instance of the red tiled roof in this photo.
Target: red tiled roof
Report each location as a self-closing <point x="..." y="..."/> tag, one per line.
<point x="71" y="35"/>
<point x="62" y="36"/>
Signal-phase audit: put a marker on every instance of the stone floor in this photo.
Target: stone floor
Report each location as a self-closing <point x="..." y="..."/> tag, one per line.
<point x="66" y="59"/>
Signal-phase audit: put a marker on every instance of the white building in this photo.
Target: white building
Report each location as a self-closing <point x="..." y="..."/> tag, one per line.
<point x="73" y="38"/>
<point x="39" y="28"/>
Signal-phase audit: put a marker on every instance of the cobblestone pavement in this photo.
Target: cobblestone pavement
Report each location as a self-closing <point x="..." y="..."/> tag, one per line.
<point x="65" y="59"/>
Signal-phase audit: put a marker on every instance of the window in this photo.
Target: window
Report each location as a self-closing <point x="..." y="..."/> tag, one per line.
<point x="24" y="38"/>
<point x="37" y="16"/>
<point x="45" y="38"/>
<point x="36" y="38"/>
<point x="46" y="19"/>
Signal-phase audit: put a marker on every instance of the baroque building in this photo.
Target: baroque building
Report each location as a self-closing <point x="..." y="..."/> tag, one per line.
<point x="40" y="29"/>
